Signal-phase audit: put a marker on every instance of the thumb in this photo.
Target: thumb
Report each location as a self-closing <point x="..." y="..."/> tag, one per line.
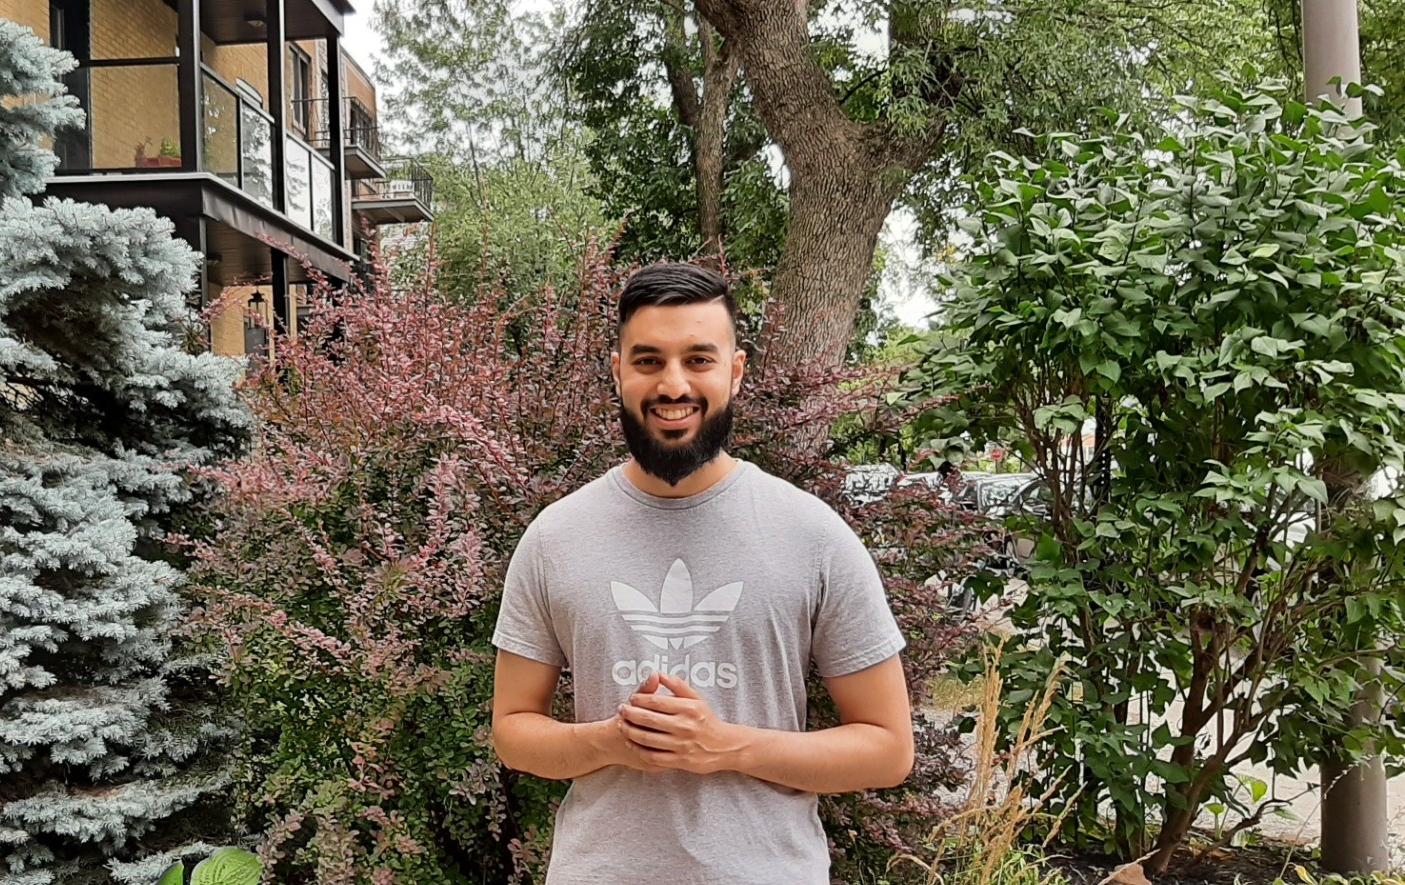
<point x="649" y="685"/>
<point x="679" y="688"/>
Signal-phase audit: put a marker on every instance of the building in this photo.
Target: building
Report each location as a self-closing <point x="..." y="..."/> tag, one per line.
<point x="242" y="121"/>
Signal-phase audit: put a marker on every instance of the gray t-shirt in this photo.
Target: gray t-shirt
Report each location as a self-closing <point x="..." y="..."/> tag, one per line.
<point x="737" y="590"/>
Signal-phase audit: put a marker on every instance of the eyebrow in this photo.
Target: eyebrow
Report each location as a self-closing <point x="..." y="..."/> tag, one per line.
<point x="640" y="349"/>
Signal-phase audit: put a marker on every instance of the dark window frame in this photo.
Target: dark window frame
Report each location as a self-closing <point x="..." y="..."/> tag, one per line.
<point x="300" y="89"/>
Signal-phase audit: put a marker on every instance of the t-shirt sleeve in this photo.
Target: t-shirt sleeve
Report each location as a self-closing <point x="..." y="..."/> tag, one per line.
<point x="854" y="628"/>
<point x="524" y="621"/>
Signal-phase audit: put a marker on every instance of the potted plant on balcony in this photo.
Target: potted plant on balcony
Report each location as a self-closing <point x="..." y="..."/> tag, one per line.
<point x="169" y="155"/>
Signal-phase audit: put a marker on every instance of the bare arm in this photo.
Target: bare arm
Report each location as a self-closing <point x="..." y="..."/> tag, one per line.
<point x="871" y="748"/>
<point x="528" y="739"/>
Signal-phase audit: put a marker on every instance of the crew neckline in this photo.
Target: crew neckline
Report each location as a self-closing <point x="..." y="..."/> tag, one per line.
<point x="632" y="491"/>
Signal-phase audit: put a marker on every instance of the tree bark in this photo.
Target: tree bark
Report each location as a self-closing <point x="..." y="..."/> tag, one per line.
<point x="720" y="67"/>
<point x="705" y="114"/>
<point x="835" y="218"/>
<point x="844" y="176"/>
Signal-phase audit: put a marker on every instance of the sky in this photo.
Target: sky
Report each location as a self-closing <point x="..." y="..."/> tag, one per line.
<point x="902" y="288"/>
<point x="361" y="40"/>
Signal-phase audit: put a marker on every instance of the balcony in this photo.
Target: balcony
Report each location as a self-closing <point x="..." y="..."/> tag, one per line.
<point x="404" y="196"/>
<point x="361" y="146"/>
<point x="129" y="154"/>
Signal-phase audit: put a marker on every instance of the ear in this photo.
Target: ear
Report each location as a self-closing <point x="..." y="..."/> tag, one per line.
<point x="615" y="371"/>
<point x="738" y="369"/>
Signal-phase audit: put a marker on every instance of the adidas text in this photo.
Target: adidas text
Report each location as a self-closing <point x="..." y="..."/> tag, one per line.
<point x="700" y="674"/>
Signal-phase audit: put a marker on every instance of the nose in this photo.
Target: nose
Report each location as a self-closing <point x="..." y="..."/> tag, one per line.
<point x="673" y="381"/>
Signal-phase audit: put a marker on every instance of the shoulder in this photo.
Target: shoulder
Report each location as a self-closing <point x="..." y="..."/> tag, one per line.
<point x="573" y="510"/>
<point x="799" y="508"/>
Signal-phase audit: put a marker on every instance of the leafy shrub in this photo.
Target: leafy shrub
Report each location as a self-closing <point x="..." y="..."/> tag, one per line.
<point x="356" y="561"/>
<point x="1198" y="346"/>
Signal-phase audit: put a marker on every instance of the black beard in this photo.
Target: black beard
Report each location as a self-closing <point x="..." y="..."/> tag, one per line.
<point x="675" y="463"/>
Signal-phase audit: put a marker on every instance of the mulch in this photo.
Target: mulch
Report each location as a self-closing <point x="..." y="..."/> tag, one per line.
<point x="1260" y="864"/>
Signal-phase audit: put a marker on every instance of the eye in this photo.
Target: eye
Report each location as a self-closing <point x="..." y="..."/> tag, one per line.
<point x="701" y="360"/>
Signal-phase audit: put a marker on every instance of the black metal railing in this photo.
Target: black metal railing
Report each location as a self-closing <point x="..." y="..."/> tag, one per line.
<point x="405" y="178"/>
<point x="357" y="122"/>
<point x="239" y="148"/>
<point x="238" y="138"/>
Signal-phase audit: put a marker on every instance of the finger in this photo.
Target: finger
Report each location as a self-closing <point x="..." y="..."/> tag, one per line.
<point x="648" y="738"/>
<point x="661" y="703"/>
<point x="645" y="718"/>
<point x="649" y="685"/>
<point x="677" y="686"/>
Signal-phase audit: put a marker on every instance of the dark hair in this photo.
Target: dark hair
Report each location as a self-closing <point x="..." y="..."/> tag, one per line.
<point x="670" y="284"/>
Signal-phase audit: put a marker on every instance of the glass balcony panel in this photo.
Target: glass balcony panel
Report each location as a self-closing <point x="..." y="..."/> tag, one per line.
<point x="256" y="149"/>
<point x="299" y="180"/>
<point x="221" y="108"/>
<point x="323" y="221"/>
<point x="115" y="137"/>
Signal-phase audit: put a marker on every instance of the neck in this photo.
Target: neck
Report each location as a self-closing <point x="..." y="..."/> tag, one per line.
<point x="697" y="482"/>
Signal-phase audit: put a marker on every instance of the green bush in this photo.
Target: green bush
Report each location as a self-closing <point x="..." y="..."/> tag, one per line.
<point x="1197" y="342"/>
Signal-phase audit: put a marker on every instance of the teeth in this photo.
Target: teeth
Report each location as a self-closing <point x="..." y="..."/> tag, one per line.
<point x="673" y="414"/>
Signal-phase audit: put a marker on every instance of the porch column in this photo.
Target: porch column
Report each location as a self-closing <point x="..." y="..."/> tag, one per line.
<point x="336" y="135"/>
<point x="281" y="295"/>
<point x="278" y="99"/>
<point x="192" y="115"/>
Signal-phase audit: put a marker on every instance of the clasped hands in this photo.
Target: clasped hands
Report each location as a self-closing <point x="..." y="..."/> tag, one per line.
<point x="676" y="732"/>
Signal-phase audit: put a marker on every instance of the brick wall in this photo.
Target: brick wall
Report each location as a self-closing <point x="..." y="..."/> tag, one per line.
<point x="33" y="14"/>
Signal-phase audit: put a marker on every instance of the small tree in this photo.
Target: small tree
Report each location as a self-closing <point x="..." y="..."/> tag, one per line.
<point x="104" y="748"/>
<point x="1198" y="344"/>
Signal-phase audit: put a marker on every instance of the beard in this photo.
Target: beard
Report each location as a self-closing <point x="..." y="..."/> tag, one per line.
<point x="674" y="463"/>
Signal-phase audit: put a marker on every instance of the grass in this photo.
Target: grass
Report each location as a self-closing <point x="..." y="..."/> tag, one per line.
<point x="950" y="694"/>
<point x="981" y="844"/>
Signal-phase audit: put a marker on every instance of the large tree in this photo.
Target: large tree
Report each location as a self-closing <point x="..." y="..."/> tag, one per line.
<point x="868" y="103"/>
<point x="948" y="82"/>
<point x="105" y="747"/>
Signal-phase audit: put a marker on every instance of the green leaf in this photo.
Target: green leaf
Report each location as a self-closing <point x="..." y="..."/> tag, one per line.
<point x="228" y="866"/>
<point x="1257" y="787"/>
<point x="1265" y="251"/>
<point x="174" y="875"/>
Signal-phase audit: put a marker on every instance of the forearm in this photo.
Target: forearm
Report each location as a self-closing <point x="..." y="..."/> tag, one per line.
<point x="555" y="750"/>
<point x="843" y="759"/>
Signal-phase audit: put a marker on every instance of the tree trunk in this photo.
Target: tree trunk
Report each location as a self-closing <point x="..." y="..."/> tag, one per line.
<point x="703" y="116"/>
<point x="844" y="175"/>
<point x="720" y="68"/>
<point x="835" y="218"/>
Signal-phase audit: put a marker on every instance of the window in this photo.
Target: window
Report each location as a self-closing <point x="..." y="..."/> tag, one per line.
<point x="70" y="26"/>
<point x="299" y="88"/>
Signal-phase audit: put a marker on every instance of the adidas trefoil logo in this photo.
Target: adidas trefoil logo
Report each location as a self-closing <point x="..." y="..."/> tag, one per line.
<point x="676" y="622"/>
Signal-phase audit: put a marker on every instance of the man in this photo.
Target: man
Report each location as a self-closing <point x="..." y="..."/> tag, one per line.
<point x="688" y="592"/>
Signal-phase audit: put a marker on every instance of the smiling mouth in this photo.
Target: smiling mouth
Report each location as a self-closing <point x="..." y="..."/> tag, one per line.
<point x="673" y="413"/>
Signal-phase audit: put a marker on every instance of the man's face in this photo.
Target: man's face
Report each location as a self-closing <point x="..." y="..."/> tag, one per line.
<point x="676" y="371"/>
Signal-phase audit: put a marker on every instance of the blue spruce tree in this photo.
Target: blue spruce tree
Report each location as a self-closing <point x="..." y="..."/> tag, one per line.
<point x="108" y="755"/>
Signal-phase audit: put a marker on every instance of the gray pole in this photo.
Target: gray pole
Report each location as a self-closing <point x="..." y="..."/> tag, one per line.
<point x="1354" y="825"/>
<point x="1331" y="48"/>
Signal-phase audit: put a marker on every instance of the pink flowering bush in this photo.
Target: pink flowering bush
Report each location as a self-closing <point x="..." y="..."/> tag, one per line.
<point x="351" y="571"/>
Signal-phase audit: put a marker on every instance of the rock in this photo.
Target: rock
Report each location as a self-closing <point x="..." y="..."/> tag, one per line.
<point x="1127" y="874"/>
